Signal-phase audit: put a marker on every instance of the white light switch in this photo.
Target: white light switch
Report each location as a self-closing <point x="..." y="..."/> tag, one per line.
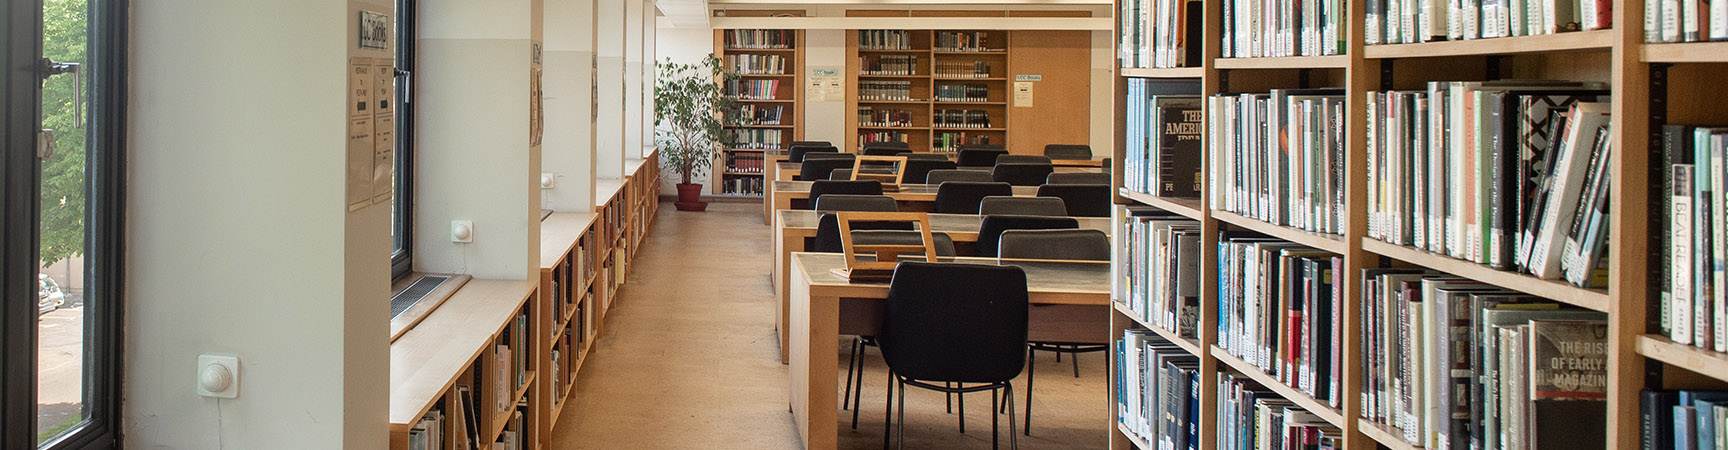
<point x="218" y="376"/>
<point x="461" y="231"/>
<point x="548" y="180"/>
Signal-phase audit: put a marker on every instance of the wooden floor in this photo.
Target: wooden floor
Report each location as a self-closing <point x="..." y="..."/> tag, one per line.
<point x="688" y="359"/>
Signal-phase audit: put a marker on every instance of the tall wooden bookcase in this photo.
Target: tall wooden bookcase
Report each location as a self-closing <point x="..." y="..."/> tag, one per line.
<point x="788" y="96"/>
<point x="937" y="67"/>
<point x="1652" y="84"/>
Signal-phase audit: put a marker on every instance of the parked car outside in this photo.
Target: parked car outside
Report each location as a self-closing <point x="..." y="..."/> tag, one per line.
<point x="48" y="294"/>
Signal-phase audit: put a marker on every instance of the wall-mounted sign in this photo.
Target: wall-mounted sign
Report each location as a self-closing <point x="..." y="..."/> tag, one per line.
<point x="1023" y="94"/>
<point x="1028" y="77"/>
<point x="374" y="30"/>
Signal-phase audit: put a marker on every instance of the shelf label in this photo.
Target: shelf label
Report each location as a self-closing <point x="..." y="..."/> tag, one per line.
<point x="1028" y="77"/>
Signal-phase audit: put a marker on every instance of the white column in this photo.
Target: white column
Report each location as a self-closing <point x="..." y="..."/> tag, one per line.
<point x="633" y="12"/>
<point x="569" y="147"/>
<point x="649" y="36"/>
<point x="609" y="130"/>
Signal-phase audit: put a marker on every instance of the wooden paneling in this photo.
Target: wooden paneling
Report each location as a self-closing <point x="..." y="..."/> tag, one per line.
<point x="1061" y="103"/>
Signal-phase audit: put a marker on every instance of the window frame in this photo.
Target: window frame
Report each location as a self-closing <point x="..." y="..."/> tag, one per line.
<point x="402" y="259"/>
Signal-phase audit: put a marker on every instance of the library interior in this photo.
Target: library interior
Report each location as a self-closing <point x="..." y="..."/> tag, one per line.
<point x="759" y="224"/>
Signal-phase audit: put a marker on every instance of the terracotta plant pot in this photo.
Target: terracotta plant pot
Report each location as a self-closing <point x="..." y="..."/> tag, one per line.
<point x="690" y="198"/>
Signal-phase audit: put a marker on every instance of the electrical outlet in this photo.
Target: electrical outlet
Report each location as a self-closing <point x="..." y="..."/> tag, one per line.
<point x="548" y="180"/>
<point x="462" y="231"/>
<point x="218" y="376"/>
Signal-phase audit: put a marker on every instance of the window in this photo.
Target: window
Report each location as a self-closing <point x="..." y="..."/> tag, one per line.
<point x="61" y="197"/>
<point x="402" y="207"/>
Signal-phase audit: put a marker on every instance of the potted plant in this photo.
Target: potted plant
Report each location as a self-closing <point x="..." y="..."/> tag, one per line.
<point x="689" y="123"/>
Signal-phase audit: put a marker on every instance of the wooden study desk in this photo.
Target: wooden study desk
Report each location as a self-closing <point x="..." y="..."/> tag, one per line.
<point x="1070" y="302"/>
<point x="788" y="171"/>
<point x="793" y="226"/>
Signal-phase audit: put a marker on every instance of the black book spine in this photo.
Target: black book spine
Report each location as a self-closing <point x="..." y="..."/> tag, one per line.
<point x="1656" y="419"/>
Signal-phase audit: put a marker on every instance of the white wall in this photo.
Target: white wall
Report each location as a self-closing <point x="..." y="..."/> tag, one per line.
<point x="239" y="241"/>
<point x="609" y="130"/>
<point x="569" y="147"/>
<point x="825" y="121"/>
<point x="633" y="13"/>
<point x="683" y="46"/>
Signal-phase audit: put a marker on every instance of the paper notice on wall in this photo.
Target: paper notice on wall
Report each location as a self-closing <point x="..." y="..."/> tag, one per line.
<point x="824" y="85"/>
<point x="1022" y="94"/>
<point x="361" y="137"/>
<point x="383" y="132"/>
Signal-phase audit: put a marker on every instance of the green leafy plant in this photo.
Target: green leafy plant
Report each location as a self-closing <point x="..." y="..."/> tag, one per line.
<point x="690" y="127"/>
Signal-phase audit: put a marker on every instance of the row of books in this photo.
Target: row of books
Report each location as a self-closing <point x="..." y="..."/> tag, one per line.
<point x="963" y="93"/>
<point x="1279" y="310"/>
<point x="753" y="89"/>
<point x="1683" y="420"/>
<point x="1511" y="174"/>
<point x="1415" y="21"/>
<point x="963" y="41"/>
<point x="888" y="65"/>
<point x="744" y="162"/>
<point x="756" y="139"/>
<point x="900" y="91"/>
<point x="1159" y="33"/>
<point x="882" y="136"/>
<point x="1251" y="417"/>
<point x="1685" y="21"/>
<point x="1695" y="251"/>
<point x="1456" y="363"/>
<point x="954" y="69"/>
<point x="1278" y="28"/>
<point x="428" y="433"/>
<point x="950" y="142"/>
<point x="871" y="117"/>
<point x="461" y="424"/>
<point x="1162" y="154"/>
<point x="515" y="432"/>
<point x="884" y="40"/>
<point x="1157" y="390"/>
<point x="742" y="186"/>
<point x="960" y="118"/>
<point x="512" y="362"/>
<point x="756" y="64"/>
<point x="760" y="39"/>
<point x="1278" y="157"/>
<point x="1159" y="269"/>
<point x="756" y="115"/>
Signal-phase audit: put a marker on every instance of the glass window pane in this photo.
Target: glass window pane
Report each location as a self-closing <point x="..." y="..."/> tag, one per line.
<point x="61" y="282"/>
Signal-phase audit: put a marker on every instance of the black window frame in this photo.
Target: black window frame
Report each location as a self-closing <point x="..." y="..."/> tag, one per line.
<point x="402" y="259"/>
<point x="105" y="182"/>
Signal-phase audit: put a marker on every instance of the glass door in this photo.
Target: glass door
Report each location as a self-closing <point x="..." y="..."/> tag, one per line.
<point x="60" y="185"/>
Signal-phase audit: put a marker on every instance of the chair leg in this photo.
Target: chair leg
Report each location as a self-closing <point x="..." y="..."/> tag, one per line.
<point x="962" y="401"/>
<point x="851" y="368"/>
<point x="1013" y="440"/>
<point x="949" y="397"/>
<point x="858" y="392"/>
<point x="902" y="416"/>
<point x="995" y="416"/>
<point x="1076" y="358"/>
<point x="1030" y="375"/>
<point x="888" y="413"/>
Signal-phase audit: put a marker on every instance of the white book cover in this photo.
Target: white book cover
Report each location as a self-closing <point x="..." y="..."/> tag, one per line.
<point x="1718" y="210"/>
<point x="1653" y="20"/>
<point x="1689" y="20"/>
<point x="1719" y="20"/>
<point x="1681" y="256"/>
<point x="1671" y="21"/>
<point x="1564" y="186"/>
<point x="1587" y="13"/>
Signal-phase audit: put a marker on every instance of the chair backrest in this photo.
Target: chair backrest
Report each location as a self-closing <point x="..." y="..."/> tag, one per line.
<point x="860" y="187"/>
<point x="939" y="176"/>
<point x="935" y="328"/>
<point x="979" y="157"/>
<point x="990" y="230"/>
<point x="1022" y="159"/>
<point x="1019" y="174"/>
<point x="840" y="174"/>
<point x="1025" y="206"/>
<point x="963" y="197"/>
<point x="819" y="169"/>
<point x="944" y="244"/>
<point x="829" y="155"/>
<point x="1078" y="178"/>
<point x="1077" y="244"/>
<point x="798" y="152"/>
<point x="856" y="202"/>
<point x="812" y="143"/>
<point x="878" y="150"/>
<point x="827" y="238"/>
<point x="928" y="156"/>
<point x="918" y="170"/>
<point x="1068" y="151"/>
<point x="894" y="144"/>
<point x="1083" y="200"/>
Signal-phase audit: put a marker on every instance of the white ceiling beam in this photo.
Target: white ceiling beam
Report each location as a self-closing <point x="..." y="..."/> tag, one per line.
<point x="684" y="13"/>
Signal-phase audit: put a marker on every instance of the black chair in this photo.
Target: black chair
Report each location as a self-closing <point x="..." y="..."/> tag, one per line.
<point x="1022" y="159"/>
<point x="939" y="176"/>
<point x="1020" y="174"/>
<point x="885" y="151"/>
<point x="918" y="170"/>
<point x="953" y="337"/>
<point x="1068" y="151"/>
<point x="827" y="238"/>
<point x="814" y="143"/>
<point x="1078" y="178"/>
<point x="894" y="144"/>
<point x="840" y="174"/>
<point x="1083" y="200"/>
<point x="820" y="168"/>
<point x="1077" y="245"/>
<point x="797" y="153"/>
<point x="860" y="187"/>
<point x="927" y="156"/>
<point x="1024" y="206"/>
<point x="828" y="155"/>
<point x="979" y="157"/>
<point x="963" y="197"/>
<point x="990" y="230"/>
<point x="856" y="202"/>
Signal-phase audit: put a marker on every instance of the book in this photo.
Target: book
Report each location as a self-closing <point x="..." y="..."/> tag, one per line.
<point x="1569" y="383"/>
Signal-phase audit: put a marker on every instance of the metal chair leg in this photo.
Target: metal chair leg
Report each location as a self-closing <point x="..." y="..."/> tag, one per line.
<point x="962" y="402"/>
<point x="949" y="397"/>
<point x="888" y="413"/>
<point x="858" y="392"/>
<point x="902" y="415"/>
<point x="1013" y="440"/>
<point x="1029" y="377"/>
<point x="851" y="368"/>
<point x="1076" y="358"/>
<point x="995" y="416"/>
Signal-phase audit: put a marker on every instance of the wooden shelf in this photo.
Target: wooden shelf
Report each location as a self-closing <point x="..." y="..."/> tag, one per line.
<point x="965" y="129"/>
<point x="883" y="50"/>
<point x="1185" y="207"/>
<point x="862" y="75"/>
<point x="1173" y="72"/>
<point x="1388" y="436"/>
<point x="734" y="172"/>
<point x="761" y="126"/>
<point x="1706" y="362"/>
<point x="1689" y="52"/>
<point x="1328" y="242"/>
<point x="1132" y="438"/>
<point x="864" y="127"/>
<point x="746" y="100"/>
<point x="1288" y="62"/>
<point x="1191" y="346"/>
<point x="768" y="75"/>
<point x="949" y="102"/>
<point x="752" y="150"/>
<point x="752" y="50"/>
<point x="894" y="102"/>
<point x="1326" y="413"/>
<point x="986" y="52"/>
<point x="1556" y="290"/>
<point x="1560" y="42"/>
<point x="942" y="78"/>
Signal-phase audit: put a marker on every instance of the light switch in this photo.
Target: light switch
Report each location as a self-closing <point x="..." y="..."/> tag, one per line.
<point x="461" y="231"/>
<point x="218" y="376"/>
